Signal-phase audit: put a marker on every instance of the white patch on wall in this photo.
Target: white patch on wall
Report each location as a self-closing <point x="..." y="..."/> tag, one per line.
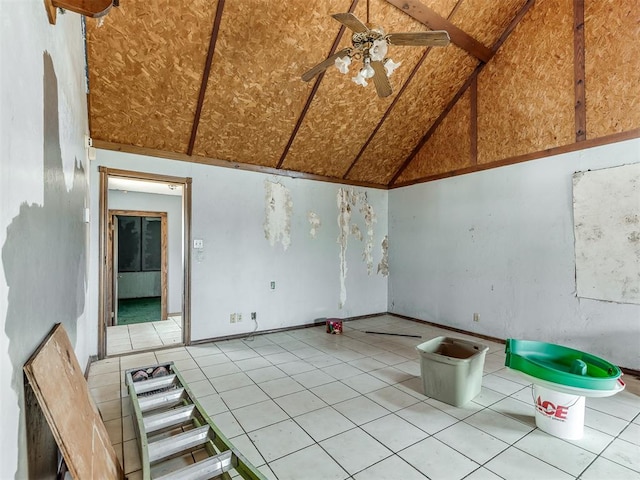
<point x="383" y="266"/>
<point x="606" y="212"/>
<point x="347" y="200"/>
<point x="369" y="220"/>
<point x="314" y="221"/>
<point x="344" y="220"/>
<point x="68" y="136"/>
<point x="278" y="210"/>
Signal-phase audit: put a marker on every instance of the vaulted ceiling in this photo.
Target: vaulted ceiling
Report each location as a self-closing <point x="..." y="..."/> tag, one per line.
<point x="215" y="81"/>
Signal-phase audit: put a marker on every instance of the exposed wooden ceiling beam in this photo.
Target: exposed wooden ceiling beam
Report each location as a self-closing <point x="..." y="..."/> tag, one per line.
<point x="314" y="90"/>
<point x="205" y="75"/>
<point x="395" y="100"/>
<point x="431" y="19"/>
<point x="516" y="20"/>
<point x="578" y="70"/>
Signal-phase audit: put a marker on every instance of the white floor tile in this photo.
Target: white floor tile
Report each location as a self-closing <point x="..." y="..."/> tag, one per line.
<point x="606" y="469"/>
<point x="500" y="426"/>
<point x="265" y="374"/>
<point x="391" y="468"/>
<point x="358" y="427"/>
<point x="631" y="434"/>
<point x="514" y="464"/>
<point x="259" y="415"/>
<point x="500" y="384"/>
<point x="426" y="417"/>
<point x="355" y="450"/>
<point x="360" y="410"/>
<point x="392" y="398"/>
<point x="311" y="463"/>
<point x="324" y="423"/>
<point x="300" y="402"/>
<point x="334" y="392"/>
<point x="280" y="439"/>
<point x="243" y="396"/>
<point x="438" y="461"/>
<point x="394" y="432"/>
<point x="252" y="363"/>
<point x="472" y="442"/>
<point x="556" y="452"/>
<point x="280" y="386"/>
<point x="625" y="453"/>
<point x="604" y="422"/>
<point x="313" y="378"/>
<point x="365" y="383"/>
<point x="482" y="474"/>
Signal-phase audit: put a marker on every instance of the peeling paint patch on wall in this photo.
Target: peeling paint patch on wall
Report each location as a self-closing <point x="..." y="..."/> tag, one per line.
<point x="369" y="219"/>
<point x="383" y="266"/>
<point x="345" y="198"/>
<point x="278" y="209"/>
<point x="347" y="201"/>
<point x="314" y="221"/>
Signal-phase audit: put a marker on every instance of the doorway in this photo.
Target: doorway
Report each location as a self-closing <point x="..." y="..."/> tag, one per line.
<point x="145" y="222"/>
<point x="138" y="259"/>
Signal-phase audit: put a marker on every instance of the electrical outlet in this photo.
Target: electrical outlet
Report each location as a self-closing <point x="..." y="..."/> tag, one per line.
<point x="273" y="285"/>
<point x="238" y="317"/>
<point x="198" y="243"/>
<point x="253" y="315"/>
<point x="232" y="318"/>
<point x="476" y="317"/>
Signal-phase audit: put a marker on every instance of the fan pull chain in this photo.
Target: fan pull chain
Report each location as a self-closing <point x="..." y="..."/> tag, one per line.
<point x="367" y="12"/>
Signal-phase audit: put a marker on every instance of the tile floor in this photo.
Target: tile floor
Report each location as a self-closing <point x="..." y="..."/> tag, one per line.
<point x="302" y="404"/>
<point x="123" y="339"/>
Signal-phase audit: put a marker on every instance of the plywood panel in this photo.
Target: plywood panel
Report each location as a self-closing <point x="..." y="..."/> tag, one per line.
<point x="344" y="114"/>
<point x="62" y="392"/>
<point x="255" y="93"/>
<point x="145" y="63"/>
<point x="448" y="149"/>
<point x="486" y="21"/>
<point x="525" y="94"/>
<point x="439" y="78"/>
<point x="612" y="67"/>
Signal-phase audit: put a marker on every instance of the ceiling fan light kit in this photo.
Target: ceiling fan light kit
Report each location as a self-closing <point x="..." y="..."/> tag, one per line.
<point x="370" y="45"/>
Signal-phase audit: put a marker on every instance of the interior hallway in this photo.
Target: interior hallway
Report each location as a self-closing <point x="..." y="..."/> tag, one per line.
<point x="303" y="404"/>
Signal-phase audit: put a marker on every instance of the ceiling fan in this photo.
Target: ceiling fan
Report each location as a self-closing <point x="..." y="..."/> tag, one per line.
<point x="370" y="44"/>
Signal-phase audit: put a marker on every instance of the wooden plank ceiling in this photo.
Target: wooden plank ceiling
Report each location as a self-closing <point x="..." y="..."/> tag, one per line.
<point x="219" y="81"/>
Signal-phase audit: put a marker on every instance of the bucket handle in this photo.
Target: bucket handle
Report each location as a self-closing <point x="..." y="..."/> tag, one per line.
<point x="535" y="404"/>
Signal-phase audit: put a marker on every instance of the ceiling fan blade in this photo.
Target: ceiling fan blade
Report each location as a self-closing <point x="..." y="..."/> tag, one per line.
<point x="322" y="66"/>
<point x="351" y="21"/>
<point x="380" y="80"/>
<point x="437" y="38"/>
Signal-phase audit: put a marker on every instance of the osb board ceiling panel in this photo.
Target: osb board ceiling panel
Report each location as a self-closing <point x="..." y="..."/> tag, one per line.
<point x="612" y="70"/>
<point x="486" y="21"/>
<point x="343" y="114"/>
<point x="145" y="69"/>
<point x="255" y="94"/>
<point x="448" y="149"/>
<point x="438" y="79"/>
<point x="525" y="93"/>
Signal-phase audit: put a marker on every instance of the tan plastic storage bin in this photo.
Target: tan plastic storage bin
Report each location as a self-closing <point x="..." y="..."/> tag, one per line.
<point x="451" y="369"/>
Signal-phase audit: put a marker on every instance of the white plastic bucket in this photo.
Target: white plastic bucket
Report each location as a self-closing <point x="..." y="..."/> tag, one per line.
<point x="559" y="414"/>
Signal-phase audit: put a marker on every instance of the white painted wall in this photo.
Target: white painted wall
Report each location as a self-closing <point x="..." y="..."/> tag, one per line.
<point x="172" y="204"/>
<point x="501" y="243"/>
<point x="232" y="274"/>
<point x="43" y="190"/>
